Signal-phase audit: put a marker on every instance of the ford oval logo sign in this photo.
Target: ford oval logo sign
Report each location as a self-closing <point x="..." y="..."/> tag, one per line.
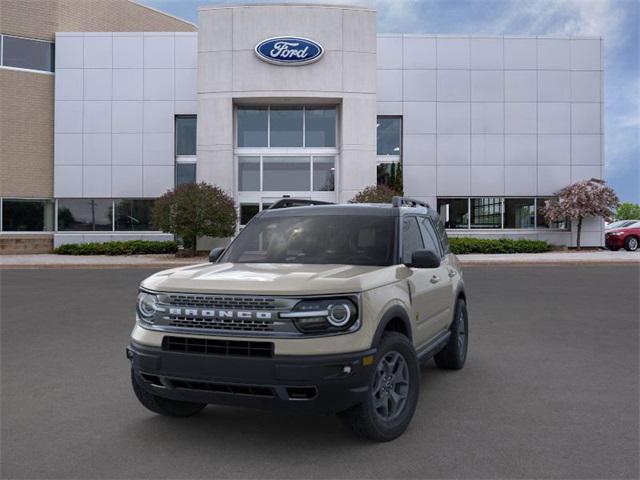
<point x="289" y="50"/>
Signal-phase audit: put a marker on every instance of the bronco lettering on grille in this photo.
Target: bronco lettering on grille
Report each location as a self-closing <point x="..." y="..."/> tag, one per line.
<point x="233" y="314"/>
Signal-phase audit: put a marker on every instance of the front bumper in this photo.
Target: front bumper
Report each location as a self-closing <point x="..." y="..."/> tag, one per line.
<point x="614" y="241"/>
<point x="308" y="384"/>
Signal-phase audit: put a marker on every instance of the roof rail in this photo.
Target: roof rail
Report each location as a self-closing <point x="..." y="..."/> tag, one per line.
<point x="408" y="202"/>
<point x="287" y="202"/>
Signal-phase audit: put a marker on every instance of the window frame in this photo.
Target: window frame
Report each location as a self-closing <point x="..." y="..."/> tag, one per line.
<point x="22" y="69"/>
<point x="303" y="108"/>
<point x="402" y="235"/>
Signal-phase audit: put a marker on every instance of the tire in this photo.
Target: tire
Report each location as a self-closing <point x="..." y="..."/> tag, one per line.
<point x="454" y="354"/>
<point x="164" y="406"/>
<point x="631" y="243"/>
<point x="401" y="376"/>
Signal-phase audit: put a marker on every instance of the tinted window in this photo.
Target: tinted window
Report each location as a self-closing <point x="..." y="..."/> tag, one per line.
<point x="486" y="212"/>
<point x="320" y="127"/>
<point x="286" y="127"/>
<point x="519" y="213"/>
<point x="389" y="132"/>
<point x="252" y="127"/>
<point x="323" y="174"/>
<point x="134" y="215"/>
<point x="248" y="174"/>
<point x="185" y="173"/>
<point x="27" y="215"/>
<point x="248" y="211"/>
<point x="429" y="236"/>
<point x="411" y="238"/>
<point x="186" y="135"/>
<point x="316" y="239"/>
<point x="84" y="214"/>
<point x="542" y="222"/>
<point x="25" y="53"/>
<point x="286" y="173"/>
<point x="442" y="234"/>
<point x="454" y="212"/>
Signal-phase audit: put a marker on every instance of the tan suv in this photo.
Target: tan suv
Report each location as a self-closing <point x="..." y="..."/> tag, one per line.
<point x="325" y="308"/>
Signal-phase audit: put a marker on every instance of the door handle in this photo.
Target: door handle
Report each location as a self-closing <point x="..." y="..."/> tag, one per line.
<point x="452" y="273"/>
<point x="435" y="279"/>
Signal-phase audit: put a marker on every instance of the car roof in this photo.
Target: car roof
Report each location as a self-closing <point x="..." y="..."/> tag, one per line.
<point x="368" y="209"/>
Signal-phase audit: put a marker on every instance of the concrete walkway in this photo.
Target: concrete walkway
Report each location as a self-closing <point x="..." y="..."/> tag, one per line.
<point x="169" y="261"/>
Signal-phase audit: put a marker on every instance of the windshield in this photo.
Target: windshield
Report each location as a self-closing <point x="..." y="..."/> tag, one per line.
<point x="621" y="224"/>
<point x="316" y="239"/>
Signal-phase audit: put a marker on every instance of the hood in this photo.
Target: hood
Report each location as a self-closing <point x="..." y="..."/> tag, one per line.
<point x="272" y="278"/>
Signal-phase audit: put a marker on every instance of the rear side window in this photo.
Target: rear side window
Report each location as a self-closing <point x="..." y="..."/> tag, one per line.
<point x="430" y="237"/>
<point x="442" y="234"/>
<point x="411" y="238"/>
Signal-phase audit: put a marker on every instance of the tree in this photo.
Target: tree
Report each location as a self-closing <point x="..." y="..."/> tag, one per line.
<point x="375" y="194"/>
<point x="628" y="211"/>
<point x="195" y="210"/>
<point x="586" y="198"/>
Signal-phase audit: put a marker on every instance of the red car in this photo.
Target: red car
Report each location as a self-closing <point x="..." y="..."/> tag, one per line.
<point x="627" y="237"/>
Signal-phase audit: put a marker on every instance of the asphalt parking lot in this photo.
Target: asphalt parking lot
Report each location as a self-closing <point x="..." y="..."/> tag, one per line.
<point x="550" y="390"/>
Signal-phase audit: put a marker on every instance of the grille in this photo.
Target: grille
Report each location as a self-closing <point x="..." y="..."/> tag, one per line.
<point x="254" y="390"/>
<point x="225" y="324"/>
<point x="218" y="347"/>
<point x="218" y="301"/>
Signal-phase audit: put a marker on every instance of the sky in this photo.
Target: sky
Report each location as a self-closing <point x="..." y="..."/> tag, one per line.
<point x="617" y="21"/>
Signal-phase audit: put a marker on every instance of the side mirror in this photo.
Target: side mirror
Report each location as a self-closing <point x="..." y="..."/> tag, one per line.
<point x="215" y="254"/>
<point x="424" y="259"/>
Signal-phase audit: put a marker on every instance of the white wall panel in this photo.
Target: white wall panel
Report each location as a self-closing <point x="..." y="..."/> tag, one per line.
<point x="67" y="181"/>
<point x="156" y="180"/>
<point x="419" y="52"/>
<point x="126" y="149"/>
<point x="158" y="117"/>
<point x="68" y="149"/>
<point x="586" y="150"/>
<point x="68" y="84"/>
<point x="126" y="181"/>
<point x="128" y="84"/>
<point x="389" y="52"/>
<point x="554" y="86"/>
<point x="96" y="149"/>
<point x="453" y="180"/>
<point x="98" y="51"/>
<point x="487" y="149"/>
<point x="487" y="117"/>
<point x="487" y="53"/>
<point x="69" y="50"/>
<point x="553" y="178"/>
<point x="453" y="52"/>
<point x="585" y="118"/>
<point x="554" y="149"/>
<point x="158" y="84"/>
<point x="453" y="85"/>
<point x="454" y="117"/>
<point x="554" y="118"/>
<point x="389" y="85"/>
<point x="521" y="85"/>
<point x="554" y="54"/>
<point x="520" y="149"/>
<point x="419" y="85"/>
<point x="127" y="51"/>
<point x="585" y="86"/>
<point x="586" y="54"/>
<point x="419" y="117"/>
<point x="520" y="118"/>
<point x="419" y="149"/>
<point x="96" y="181"/>
<point x="96" y="117"/>
<point x="520" y="53"/>
<point x="454" y="149"/>
<point x="487" y="85"/>
<point x="158" y="51"/>
<point x="520" y="180"/>
<point x="158" y="149"/>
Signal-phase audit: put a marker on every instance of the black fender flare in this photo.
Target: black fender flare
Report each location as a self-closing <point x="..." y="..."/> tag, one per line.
<point x="395" y="311"/>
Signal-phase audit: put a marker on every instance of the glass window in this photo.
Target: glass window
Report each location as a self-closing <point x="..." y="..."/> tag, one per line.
<point x="411" y="238"/>
<point x="186" y="135"/>
<point x="320" y="127"/>
<point x="390" y="174"/>
<point x="542" y="222"/>
<point x="454" y="212"/>
<point x="185" y="173"/>
<point x="249" y="174"/>
<point x="519" y="213"/>
<point x="429" y="236"/>
<point x="442" y="235"/>
<point x="486" y="212"/>
<point x="26" y="53"/>
<point x="285" y="125"/>
<point x="248" y="211"/>
<point x="316" y="239"/>
<point x="252" y="126"/>
<point x="324" y="169"/>
<point x="84" y="215"/>
<point x="134" y="215"/>
<point x="25" y="215"/>
<point x="286" y="174"/>
<point x="389" y="131"/>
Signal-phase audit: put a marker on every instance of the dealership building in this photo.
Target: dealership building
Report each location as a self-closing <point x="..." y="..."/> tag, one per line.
<point x="112" y="104"/>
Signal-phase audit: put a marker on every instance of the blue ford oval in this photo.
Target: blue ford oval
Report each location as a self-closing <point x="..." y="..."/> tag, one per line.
<point x="289" y="50"/>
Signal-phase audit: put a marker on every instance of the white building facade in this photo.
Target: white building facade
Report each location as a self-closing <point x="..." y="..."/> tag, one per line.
<point x="482" y="128"/>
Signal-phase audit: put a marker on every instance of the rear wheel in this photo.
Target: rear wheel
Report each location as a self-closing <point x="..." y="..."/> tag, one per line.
<point x="631" y="244"/>
<point x="454" y="354"/>
<point x="164" y="406"/>
<point x="392" y="395"/>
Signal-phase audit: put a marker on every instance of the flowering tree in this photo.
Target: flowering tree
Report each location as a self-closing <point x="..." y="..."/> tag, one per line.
<point x="375" y="194"/>
<point x="195" y="210"/>
<point x="586" y="198"/>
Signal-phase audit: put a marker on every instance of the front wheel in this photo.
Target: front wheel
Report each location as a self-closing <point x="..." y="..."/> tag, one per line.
<point x="631" y="244"/>
<point x="392" y="395"/>
<point x="454" y="354"/>
<point x="164" y="406"/>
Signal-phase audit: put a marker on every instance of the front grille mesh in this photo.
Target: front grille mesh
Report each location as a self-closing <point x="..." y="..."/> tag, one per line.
<point x="225" y="324"/>
<point x="219" y="301"/>
<point x="253" y="390"/>
<point x="209" y="346"/>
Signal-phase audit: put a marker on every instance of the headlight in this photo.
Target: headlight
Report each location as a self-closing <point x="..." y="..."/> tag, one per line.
<point x="324" y="315"/>
<point x="146" y="306"/>
<point x="616" y="233"/>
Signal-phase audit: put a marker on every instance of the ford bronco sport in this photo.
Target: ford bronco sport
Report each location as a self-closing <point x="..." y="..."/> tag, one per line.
<point x="325" y="308"/>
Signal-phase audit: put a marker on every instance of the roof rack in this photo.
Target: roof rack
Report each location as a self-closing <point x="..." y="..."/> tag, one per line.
<point x="296" y="202"/>
<point x="408" y="202"/>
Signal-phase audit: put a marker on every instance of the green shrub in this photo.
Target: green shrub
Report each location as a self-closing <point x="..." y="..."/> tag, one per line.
<point x="460" y="245"/>
<point x="131" y="247"/>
